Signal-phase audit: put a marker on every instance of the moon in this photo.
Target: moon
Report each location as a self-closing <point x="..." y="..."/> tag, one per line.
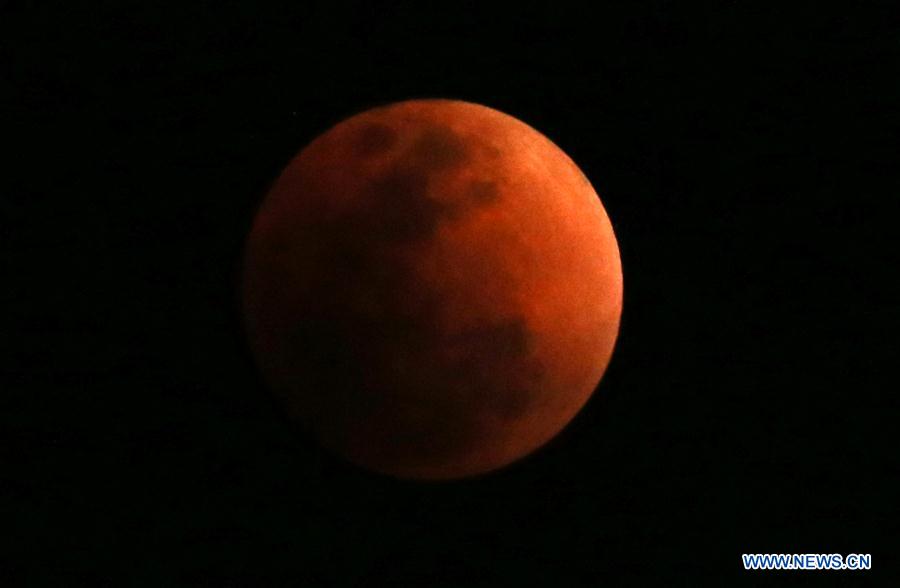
<point x="432" y="289"/>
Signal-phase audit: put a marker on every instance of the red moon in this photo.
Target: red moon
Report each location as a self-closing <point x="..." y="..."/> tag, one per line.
<point x="432" y="289"/>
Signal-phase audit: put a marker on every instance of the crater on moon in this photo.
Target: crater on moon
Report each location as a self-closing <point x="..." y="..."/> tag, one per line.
<point x="375" y="139"/>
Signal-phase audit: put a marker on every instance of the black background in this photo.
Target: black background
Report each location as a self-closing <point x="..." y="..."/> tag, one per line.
<point x="741" y="152"/>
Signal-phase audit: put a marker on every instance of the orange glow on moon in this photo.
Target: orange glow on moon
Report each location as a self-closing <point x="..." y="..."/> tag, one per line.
<point x="432" y="289"/>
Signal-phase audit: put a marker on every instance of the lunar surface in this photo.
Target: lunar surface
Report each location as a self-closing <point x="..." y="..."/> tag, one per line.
<point x="432" y="289"/>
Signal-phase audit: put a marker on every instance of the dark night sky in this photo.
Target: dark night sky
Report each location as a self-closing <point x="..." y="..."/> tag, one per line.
<point x="742" y="154"/>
